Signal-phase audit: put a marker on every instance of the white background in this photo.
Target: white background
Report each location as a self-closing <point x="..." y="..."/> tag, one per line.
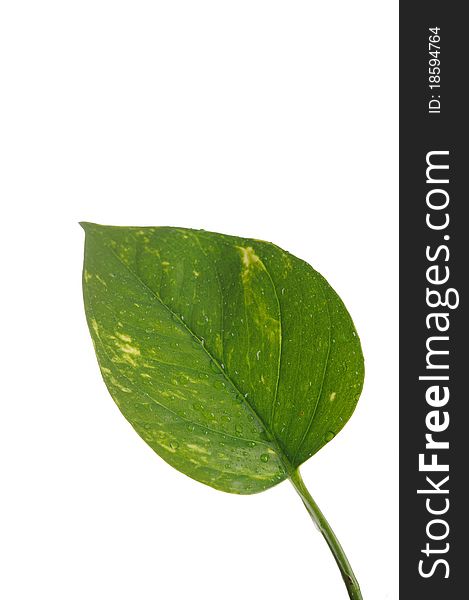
<point x="276" y="120"/>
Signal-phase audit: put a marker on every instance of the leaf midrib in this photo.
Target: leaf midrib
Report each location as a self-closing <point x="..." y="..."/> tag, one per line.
<point x="279" y="362"/>
<point x="281" y="455"/>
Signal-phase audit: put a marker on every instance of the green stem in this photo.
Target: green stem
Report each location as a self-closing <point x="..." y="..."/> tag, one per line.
<point x="320" y="520"/>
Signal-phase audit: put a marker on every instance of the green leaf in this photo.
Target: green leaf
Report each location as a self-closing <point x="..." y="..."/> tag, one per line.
<point x="234" y="360"/>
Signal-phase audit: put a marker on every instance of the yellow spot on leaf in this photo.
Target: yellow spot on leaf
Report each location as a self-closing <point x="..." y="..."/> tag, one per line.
<point x="128" y="349"/>
<point x="128" y="353"/>
<point x="101" y="281"/>
<point x="332" y="396"/>
<point x="198" y="449"/>
<point x="250" y="260"/>
<point x="124" y="337"/>
<point x="94" y="325"/>
<point x="167" y="447"/>
<point x="248" y="256"/>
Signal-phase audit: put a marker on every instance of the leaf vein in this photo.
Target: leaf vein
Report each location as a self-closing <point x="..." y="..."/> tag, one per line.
<point x="273" y="441"/>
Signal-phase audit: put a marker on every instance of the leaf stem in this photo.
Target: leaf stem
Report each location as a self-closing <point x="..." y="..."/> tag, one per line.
<point x="320" y="521"/>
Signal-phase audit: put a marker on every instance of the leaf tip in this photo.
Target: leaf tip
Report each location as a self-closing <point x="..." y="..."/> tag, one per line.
<point x="85" y="224"/>
<point x="89" y="227"/>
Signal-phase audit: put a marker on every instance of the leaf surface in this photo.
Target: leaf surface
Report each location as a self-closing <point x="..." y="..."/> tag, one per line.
<point x="234" y="360"/>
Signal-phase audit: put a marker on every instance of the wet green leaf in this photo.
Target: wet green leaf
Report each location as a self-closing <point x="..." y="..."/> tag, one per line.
<point x="234" y="360"/>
